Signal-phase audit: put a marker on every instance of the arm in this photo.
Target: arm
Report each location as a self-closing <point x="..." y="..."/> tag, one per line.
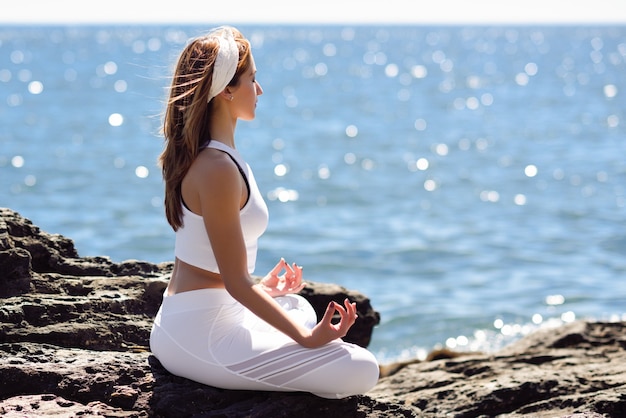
<point x="219" y="186"/>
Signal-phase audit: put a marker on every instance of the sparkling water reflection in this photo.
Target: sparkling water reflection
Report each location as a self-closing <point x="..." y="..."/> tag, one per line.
<point x="469" y="180"/>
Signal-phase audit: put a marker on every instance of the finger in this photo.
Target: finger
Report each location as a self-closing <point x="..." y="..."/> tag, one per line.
<point x="288" y="269"/>
<point x="292" y="285"/>
<point x="298" y="271"/>
<point x="354" y="311"/>
<point x="283" y="264"/>
<point x="278" y="267"/>
<point x="350" y="307"/>
<point x="350" y="316"/>
<point x="328" y="314"/>
<point x="343" y="313"/>
<point x="298" y="288"/>
<point x="295" y="278"/>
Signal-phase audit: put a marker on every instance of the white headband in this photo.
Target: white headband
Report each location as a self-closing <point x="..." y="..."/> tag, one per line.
<point x="225" y="64"/>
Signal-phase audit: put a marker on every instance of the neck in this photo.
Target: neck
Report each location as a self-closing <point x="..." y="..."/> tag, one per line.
<point x="223" y="125"/>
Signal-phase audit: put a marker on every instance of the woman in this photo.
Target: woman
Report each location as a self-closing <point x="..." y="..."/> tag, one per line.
<point x="216" y="325"/>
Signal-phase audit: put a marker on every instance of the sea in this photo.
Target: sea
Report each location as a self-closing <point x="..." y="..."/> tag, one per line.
<point x="470" y="180"/>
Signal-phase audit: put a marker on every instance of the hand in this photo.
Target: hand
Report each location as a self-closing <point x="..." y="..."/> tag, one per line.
<point x="289" y="282"/>
<point x="325" y="331"/>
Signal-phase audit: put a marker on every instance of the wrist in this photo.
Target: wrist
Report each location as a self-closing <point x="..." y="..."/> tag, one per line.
<point x="305" y="338"/>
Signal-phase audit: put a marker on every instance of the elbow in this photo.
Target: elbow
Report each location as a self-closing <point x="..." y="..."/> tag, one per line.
<point x="238" y="289"/>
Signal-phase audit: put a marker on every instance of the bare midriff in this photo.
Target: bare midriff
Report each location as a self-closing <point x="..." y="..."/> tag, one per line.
<point x="186" y="277"/>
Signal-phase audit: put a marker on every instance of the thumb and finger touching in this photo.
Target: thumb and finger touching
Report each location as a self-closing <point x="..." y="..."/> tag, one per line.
<point x="347" y="317"/>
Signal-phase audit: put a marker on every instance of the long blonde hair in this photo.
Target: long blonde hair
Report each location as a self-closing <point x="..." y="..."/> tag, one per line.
<point x="186" y="121"/>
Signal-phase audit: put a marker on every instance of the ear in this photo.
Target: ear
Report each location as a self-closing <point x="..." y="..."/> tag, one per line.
<point x="226" y="94"/>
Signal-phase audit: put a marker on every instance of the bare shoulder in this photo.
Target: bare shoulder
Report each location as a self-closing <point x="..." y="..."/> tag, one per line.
<point x="212" y="177"/>
<point x="212" y="165"/>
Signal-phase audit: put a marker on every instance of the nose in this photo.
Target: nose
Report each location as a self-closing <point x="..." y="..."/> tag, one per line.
<point x="259" y="89"/>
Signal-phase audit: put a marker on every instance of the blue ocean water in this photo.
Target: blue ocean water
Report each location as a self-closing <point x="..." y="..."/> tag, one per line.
<point x="470" y="180"/>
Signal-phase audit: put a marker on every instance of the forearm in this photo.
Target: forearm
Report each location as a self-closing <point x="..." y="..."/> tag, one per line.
<point x="257" y="300"/>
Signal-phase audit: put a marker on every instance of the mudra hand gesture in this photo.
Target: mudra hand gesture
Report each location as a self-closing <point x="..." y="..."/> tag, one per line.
<point x="276" y="284"/>
<point x="326" y="331"/>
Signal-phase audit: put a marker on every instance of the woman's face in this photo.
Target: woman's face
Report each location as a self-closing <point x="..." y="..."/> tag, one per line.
<point x="245" y="94"/>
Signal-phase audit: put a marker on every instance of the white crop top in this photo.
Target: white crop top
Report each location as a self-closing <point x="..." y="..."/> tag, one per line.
<point x="192" y="241"/>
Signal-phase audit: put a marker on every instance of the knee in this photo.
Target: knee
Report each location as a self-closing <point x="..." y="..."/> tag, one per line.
<point x="359" y="375"/>
<point x="357" y="379"/>
<point x="366" y="371"/>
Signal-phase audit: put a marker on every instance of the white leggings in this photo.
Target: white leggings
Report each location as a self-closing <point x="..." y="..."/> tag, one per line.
<point x="207" y="336"/>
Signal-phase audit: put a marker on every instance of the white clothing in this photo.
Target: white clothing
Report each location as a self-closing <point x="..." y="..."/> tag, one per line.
<point x="207" y="336"/>
<point x="192" y="242"/>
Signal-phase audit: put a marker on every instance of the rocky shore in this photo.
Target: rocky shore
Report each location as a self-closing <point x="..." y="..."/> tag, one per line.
<point x="74" y="342"/>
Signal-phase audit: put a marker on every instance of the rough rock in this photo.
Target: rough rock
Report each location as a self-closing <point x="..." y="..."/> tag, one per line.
<point x="74" y="342"/>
